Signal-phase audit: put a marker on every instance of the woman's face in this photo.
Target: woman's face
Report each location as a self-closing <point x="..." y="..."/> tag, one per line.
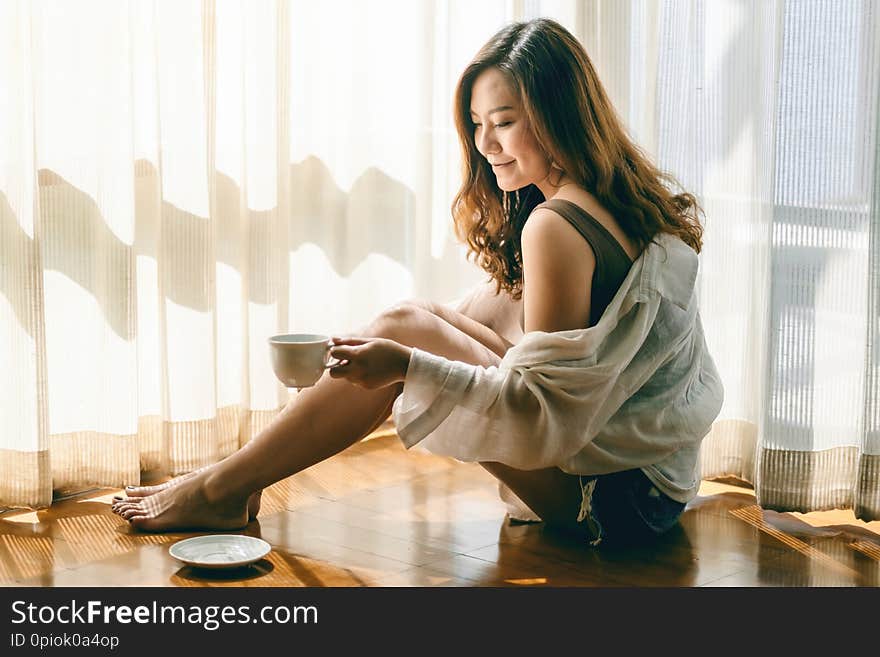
<point x="503" y="135"/>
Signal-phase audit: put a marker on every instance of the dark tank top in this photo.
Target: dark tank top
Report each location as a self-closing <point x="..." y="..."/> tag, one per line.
<point x="612" y="262"/>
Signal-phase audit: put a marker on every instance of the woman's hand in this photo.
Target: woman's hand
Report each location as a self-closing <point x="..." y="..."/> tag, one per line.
<point x="369" y="362"/>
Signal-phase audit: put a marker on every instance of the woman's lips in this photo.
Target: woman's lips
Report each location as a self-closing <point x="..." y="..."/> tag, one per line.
<point x="501" y="166"/>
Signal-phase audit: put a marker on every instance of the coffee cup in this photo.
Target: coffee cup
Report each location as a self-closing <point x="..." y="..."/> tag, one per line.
<point x="299" y="359"/>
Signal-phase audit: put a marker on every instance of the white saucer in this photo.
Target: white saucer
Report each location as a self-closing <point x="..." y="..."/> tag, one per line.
<point x="220" y="550"/>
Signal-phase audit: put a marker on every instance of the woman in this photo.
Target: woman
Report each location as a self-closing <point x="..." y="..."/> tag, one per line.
<point x="594" y="418"/>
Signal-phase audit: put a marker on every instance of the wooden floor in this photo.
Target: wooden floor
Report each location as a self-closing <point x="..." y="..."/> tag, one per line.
<point x="377" y="515"/>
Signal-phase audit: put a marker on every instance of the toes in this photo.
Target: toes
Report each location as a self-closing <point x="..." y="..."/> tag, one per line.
<point x="132" y="510"/>
<point x="122" y="510"/>
<point x="123" y="501"/>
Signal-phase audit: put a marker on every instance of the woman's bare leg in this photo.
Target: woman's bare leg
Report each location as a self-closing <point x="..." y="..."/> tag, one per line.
<point x="134" y="493"/>
<point x="310" y="429"/>
<point x="498" y="312"/>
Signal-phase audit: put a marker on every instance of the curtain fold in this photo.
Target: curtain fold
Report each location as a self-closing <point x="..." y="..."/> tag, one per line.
<point x="181" y="180"/>
<point x="25" y="469"/>
<point x="867" y="488"/>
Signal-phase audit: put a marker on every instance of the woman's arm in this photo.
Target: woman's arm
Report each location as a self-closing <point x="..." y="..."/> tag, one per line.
<point x="558" y="266"/>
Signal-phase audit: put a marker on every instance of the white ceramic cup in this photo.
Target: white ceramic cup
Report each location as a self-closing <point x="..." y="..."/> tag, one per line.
<point x="299" y="359"/>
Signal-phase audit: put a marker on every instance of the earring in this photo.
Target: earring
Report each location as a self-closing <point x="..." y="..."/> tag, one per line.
<point x="556" y="167"/>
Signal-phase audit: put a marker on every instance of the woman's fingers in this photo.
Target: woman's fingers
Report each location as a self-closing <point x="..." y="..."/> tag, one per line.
<point x="343" y="349"/>
<point x="343" y="353"/>
<point x="349" y="340"/>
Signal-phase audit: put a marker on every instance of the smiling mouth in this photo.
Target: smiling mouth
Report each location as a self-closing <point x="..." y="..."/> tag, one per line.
<point x="501" y="166"/>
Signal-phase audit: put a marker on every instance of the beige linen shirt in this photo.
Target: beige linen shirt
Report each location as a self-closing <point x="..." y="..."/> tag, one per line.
<point x="637" y="390"/>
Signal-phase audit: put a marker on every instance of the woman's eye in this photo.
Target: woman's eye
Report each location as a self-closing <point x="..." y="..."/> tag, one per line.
<point x="503" y="124"/>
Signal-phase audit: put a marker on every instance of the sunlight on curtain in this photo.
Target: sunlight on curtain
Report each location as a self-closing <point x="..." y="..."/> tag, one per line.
<point x="374" y="154"/>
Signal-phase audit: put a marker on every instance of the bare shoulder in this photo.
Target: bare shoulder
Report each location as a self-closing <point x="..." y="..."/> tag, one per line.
<point x="558" y="266"/>
<point x="548" y="230"/>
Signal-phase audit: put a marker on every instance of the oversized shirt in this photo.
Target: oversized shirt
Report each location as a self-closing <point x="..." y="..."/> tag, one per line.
<point x="638" y="389"/>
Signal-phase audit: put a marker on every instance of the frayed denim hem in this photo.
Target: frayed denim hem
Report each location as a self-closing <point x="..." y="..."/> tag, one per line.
<point x="585" y="515"/>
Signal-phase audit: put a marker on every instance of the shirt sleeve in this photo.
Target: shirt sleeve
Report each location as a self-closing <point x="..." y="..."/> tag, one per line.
<point x="523" y="413"/>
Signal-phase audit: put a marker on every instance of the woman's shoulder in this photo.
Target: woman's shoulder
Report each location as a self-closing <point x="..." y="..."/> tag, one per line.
<point x="551" y="244"/>
<point x="587" y="203"/>
<point x="547" y="228"/>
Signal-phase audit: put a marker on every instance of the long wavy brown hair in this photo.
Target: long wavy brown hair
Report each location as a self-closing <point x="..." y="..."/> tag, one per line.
<point x="578" y="127"/>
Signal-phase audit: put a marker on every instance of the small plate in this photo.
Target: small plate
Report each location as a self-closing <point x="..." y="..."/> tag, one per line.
<point x="220" y="550"/>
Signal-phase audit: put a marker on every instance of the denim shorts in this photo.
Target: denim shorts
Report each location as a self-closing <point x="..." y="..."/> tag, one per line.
<point x="625" y="507"/>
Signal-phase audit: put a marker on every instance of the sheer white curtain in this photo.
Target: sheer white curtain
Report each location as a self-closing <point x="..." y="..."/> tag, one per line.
<point x="769" y="111"/>
<point x="180" y="180"/>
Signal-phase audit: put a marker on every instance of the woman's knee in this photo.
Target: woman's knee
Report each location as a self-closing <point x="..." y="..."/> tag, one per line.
<point x="422" y="305"/>
<point x="399" y="321"/>
<point x="497" y="311"/>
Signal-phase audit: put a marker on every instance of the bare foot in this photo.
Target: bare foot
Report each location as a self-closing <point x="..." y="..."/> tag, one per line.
<point x="136" y="492"/>
<point x="183" y="506"/>
<point x="145" y="491"/>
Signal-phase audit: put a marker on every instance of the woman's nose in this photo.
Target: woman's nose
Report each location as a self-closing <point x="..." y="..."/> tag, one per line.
<point x="487" y="144"/>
